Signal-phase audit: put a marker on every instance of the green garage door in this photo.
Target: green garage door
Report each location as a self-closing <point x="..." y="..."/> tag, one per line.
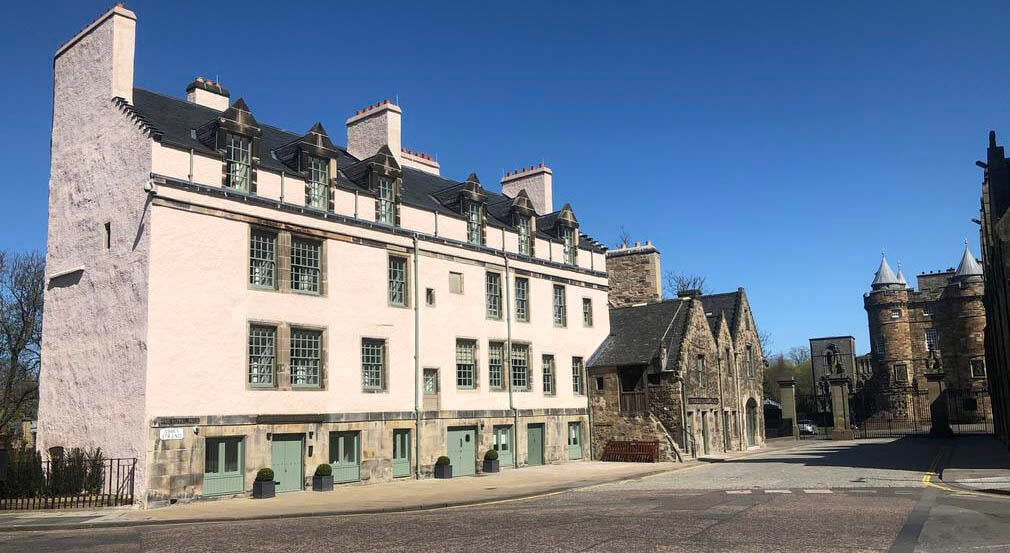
<point x="535" y="444"/>
<point x="461" y="446"/>
<point x="286" y="460"/>
<point x="223" y="466"/>
<point x="345" y="456"/>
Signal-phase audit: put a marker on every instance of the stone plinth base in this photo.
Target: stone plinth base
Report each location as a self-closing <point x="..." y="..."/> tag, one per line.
<point x="842" y="435"/>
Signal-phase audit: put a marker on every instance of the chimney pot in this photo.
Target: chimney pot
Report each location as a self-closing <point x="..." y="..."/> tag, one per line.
<point x="637" y="243"/>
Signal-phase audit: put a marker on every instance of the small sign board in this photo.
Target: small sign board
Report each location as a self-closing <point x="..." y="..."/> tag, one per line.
<point x="170" y="434"/>
<point x="702" y="400"/>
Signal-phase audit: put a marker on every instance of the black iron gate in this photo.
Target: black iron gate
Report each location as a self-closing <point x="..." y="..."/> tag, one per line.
<point x="890" y="413"/>
<point x="969" y="411"/>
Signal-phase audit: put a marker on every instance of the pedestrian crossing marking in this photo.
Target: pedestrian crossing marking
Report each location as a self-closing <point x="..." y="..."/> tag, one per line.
<point x="778" y="491"/>
<point x="817" y="491"/>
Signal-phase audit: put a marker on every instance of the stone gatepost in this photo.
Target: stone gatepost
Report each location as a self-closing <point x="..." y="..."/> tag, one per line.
<point x="787" y="394"/>
<point x="840" y="409"/>
<point x="936" y="390"/>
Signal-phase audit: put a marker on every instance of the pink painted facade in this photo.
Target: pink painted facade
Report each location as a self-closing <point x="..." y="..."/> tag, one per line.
<point x="153" y="332"/>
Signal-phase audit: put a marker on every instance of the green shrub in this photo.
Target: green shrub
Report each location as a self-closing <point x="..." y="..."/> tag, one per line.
<point x="265" y="474"/>
<point x="324" y="470"/>
<point x="95" y="472"/>
<point x="491" y="455"/>
<point x="443" y="460"/>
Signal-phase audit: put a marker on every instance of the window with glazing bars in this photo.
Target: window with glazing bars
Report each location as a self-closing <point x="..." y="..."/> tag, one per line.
<point x="577" y="376"/>
<point x="548" y="369"/>
<point x="977" y="368"/>
<point x="493" y="294"/>
<point x="262" y="355"/>
<point x="317" y="187"/>
<point x="495" y="365"/>
<point x="560" y="318"/>
<point x="263" y="259"/>
<point x="305" y="265"/>
<point x="466" y="364"/>
<point x="373" y="364"/>
<point x="520" y="367"/>
<point x="522" y="299"/>
<point x="238" y="161"/>
<point x="474" y="225"/>
<point x="430" y="381"/>
<point x="932" y="339"/>
<point x="587" y="312"/>
<point x="306" y="357"/>
<point x="571" y="246"/>
<point x="386" y="206"/>
<point x="397" y="281"/>
<point x="523" y="225"/>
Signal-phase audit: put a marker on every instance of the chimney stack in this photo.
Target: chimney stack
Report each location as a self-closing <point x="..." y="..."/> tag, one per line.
<point x="108" y="54"/>
<point x="374" y="127"/>
<point x="537" y="181"/>
<point x="634" y="275"/>
<point x="206" y="92"/>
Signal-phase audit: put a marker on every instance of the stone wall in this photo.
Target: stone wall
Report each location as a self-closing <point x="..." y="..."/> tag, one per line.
<point x="92" y="382"/>
<point x="177" y="466"/>
<point x="634" y="275"/>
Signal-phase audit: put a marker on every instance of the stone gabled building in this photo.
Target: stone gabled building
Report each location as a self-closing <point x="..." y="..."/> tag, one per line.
<point x="224" y="295"/>
<point x="686" y="372"/>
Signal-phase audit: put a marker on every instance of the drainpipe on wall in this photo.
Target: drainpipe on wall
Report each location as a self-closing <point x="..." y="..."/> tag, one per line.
<point x="190" y="166"/>
<point x="683" y="414"/>
<point x="282" y="186"/>
<point x="739" y="404"/>
<point x="417" y="365"/>
<point x="508" y="353"/>
<point x="722" y="403"/>
<point x="589" y="407"/>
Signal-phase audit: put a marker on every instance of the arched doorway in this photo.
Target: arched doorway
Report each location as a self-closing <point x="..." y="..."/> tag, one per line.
<point x="752" y="422"/>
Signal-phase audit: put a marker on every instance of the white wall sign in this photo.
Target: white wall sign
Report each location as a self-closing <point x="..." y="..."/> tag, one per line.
<point x="171" y="434"/>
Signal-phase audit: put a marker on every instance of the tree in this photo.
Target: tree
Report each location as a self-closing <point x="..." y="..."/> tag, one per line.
<point x="798" y="355"/>
<point x="22" y="277"/>
<point x="623" y="238"/>
<point x="677" y="282"/>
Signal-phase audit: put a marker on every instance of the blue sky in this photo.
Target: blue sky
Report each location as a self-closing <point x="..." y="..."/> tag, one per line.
<point x="775" y="146"/>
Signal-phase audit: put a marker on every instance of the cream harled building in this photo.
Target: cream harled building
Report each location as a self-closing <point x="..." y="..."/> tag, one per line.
<point x="223" y="295"/>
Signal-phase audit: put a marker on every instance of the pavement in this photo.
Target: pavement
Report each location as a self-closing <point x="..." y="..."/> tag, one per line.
<point x="978" y="463"/>
<point x="398" y="496"/>
<point x="821" y="496"/>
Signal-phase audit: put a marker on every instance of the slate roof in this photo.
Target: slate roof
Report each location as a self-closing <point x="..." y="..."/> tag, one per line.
<point x="884" y="274"/>
<point x="638" y="332"/>
<point x="969" y="265"/>
<point x="725" y="303"/>
<point x="172" y="121"/>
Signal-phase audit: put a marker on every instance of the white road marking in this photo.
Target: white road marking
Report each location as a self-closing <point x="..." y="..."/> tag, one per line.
<point x="817" y="491"/>
<point x="738" y="492"/>
<point x="778" y="491"/>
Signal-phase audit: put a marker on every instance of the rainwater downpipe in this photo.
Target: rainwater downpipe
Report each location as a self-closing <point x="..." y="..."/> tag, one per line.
<point x="417" y="366"/>
<point x="282" y="186"/>
<point x="508" y="353"/>
<point x="190" y="166"/>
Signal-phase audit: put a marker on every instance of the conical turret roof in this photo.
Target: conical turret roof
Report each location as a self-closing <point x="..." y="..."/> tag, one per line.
<point x="884" y="275"/>
<point x="901" y="276"/>
<point x="969" y="265"/>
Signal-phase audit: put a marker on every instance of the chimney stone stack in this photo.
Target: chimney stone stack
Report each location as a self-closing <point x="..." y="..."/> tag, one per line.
<point x="537" y="181"/>
<point x="110" y="40"/>
<point x="374" y="127"/>
<point x="634" y="275"/>
<point x="206" y="92"/>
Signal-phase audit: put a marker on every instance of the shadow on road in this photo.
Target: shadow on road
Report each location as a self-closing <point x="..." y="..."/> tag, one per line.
<point x="911" y="454"/>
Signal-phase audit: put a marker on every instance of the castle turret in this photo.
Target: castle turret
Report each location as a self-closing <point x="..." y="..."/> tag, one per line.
<point x="887" y="314"/>
<point x="969" y="270"/>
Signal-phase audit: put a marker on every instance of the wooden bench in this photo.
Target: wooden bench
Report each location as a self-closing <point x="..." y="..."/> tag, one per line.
<point x="631" y="451"/>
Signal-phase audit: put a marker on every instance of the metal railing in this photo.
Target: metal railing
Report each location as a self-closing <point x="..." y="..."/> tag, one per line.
<point x="66" y="482"/>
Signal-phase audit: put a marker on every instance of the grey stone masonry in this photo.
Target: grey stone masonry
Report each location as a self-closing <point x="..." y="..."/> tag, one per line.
<point x="634" y="275"/>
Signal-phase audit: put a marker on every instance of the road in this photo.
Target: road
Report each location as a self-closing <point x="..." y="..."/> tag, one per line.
<point x="866" y="495"/>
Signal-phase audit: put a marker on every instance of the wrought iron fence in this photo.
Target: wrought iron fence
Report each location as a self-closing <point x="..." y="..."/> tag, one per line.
<point x="969" y="411"/>
<point x="74" y="480"/>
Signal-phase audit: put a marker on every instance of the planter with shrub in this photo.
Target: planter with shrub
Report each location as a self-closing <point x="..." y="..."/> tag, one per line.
<point x="322" y="480"/>
<point x="443" y="467"/>
<point x="264" y="486"/>
<point x="491" y="461"/>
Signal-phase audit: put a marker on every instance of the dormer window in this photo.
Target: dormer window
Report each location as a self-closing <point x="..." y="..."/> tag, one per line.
<point x="474" y="223"/>
<point x="524" y="227"/>
<point x="317" y="183"/>
<point x="385" y="197"/>
<point x="571" y="247"/>
<point x="238" y="161"/>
